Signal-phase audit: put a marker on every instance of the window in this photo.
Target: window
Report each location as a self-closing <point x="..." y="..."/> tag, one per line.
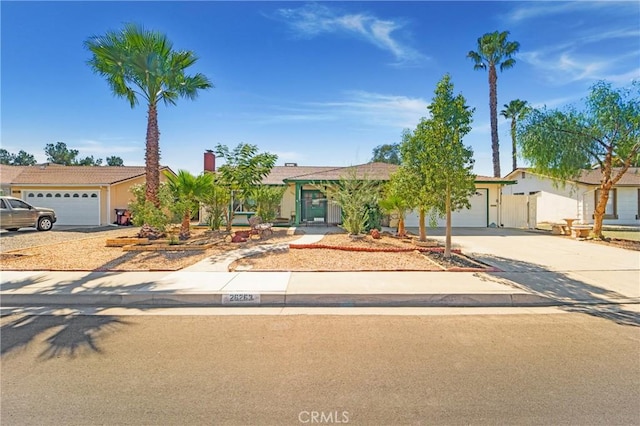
<point x="94" y="195"/>
<point x="76" y="196"/>
<point x="67" y="195"/>
<point x="58" y="195"/>
<point x="30" y="195"/>
<point x="49" y="195"/>
<point x="611" y="209"/>
<point x="2" y="204"/>
<point x="85" y="196"/>
<point x="18" y="204"/>
<point x="40" y="195"/>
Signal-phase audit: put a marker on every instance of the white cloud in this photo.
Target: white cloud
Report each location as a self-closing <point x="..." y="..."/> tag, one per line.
<point x="379" y="109"/>
<point x="312" y="20"/>
<point x="530" y="10"/>
<point x="361" y="109"/>
<point x="561" y="67"/>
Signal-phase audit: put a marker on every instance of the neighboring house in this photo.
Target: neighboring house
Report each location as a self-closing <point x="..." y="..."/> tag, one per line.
<point x="80" y="195"/>
<point x="304" y="201"/>
<point x="551" y="200"/>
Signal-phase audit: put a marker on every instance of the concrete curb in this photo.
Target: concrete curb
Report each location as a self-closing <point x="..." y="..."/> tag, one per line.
<point x="281" y="299"/>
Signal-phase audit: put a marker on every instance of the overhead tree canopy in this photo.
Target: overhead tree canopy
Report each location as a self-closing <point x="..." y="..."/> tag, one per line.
<point x="515" y="110"/>
<point x="494" y="50"/>
<point x="604" y="135"/>
<point x="138" y="63"/>
<point x="387" y="153"/>
<point x="114" y="161"/>
<point x="22" y="158"/>
<point x="61" y="154"/>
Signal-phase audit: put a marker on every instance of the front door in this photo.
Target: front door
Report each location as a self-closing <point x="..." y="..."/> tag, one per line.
<point x="314" y="206"/>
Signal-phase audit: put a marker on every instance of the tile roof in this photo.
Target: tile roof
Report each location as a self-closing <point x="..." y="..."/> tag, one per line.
<point x="9" y="173"/>
<point x="593" y="176"/>
<point x="55" y="174"/>
<point x="279" y="174"/>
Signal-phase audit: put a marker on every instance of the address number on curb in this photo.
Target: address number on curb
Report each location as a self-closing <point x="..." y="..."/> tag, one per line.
<point x="241" y="299"/>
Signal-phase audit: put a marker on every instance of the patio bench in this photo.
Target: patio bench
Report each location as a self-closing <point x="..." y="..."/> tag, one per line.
<point x="260" y="228"/>
<point x="582" y="231"/>
<point x="560" y="229"/>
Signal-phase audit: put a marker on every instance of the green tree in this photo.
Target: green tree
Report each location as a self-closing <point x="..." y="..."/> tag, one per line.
<point x="387" y="153"/>
<point x="416" y="175"/>
<point x="153" y="219"/>
<point x="61" y="154"/>
<point x="21" y="159"/>
<point x="216" y="203"/>
<point x="187" y="191"/>
<point x="244" y="169"/>
<point x="606" y="134"/>
<point x="114" y="161"/>
<point x="515" y="110"/>
<point x="356" y="195"/>
<point x="267" y="199"/>
<point x="395" y="200"/>
<point x="88" y="161"/>
<point x="440" y="167"/>
<point x="494" y="50"/>
<point x="138" y="63"/>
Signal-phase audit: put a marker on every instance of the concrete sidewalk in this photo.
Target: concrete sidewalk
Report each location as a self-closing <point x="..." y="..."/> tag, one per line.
<point x="189" y="288"/>
<point x="535" y="270"/>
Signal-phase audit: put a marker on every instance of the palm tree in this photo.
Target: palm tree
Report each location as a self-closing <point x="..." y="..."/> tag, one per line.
<point x="494" y="49"/>
<point x="187" y="190"/>
<point x="515" y="110"/>
<point x="138" y="63"/>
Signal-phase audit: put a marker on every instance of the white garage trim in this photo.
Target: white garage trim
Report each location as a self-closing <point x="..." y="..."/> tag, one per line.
<point x="475" y="217"/>
<point x="71" y="207"/>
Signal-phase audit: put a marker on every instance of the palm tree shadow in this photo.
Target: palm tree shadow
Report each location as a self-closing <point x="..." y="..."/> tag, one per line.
<point x="570" y="294"/>
<point x="74" y="331"/>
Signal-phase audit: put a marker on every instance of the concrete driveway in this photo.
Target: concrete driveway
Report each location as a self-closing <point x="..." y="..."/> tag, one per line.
<point x="554" y="266"/>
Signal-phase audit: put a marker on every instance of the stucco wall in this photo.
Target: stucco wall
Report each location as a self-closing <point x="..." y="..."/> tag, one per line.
<point x="557" y="202"/>
<point x="288" y="203"/>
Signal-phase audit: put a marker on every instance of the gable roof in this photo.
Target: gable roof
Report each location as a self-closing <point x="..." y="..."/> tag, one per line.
<point x="591" y="176"/>
<point x="370" y="171"/>
<point x="56" y="174"/>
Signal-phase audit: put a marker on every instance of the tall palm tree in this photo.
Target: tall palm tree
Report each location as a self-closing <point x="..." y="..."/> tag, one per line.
<point x="493" y="50"/>
<point x="138" y="63"/>
<point x="187" y="190"/>
<point x="515" y="110"/>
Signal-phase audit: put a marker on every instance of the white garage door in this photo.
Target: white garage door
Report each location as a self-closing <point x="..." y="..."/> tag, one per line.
<point x="475" y="217"/>
<point x="71" y="207"/>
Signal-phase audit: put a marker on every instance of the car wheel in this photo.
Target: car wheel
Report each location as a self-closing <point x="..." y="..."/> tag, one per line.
<point x="44" y="224"/>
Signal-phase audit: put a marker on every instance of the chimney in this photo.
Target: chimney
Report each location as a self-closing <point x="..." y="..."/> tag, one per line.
<point x="209" y="161"/>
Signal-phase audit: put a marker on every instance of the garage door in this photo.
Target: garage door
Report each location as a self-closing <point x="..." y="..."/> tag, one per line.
<point x="71" y="207"/>
<point x="475" y="217"/>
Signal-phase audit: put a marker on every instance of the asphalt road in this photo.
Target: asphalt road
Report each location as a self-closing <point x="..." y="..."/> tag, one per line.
<point x="278" y="370"/>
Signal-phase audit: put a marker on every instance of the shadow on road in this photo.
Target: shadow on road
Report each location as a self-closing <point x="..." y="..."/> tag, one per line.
<point x="74" y="332"/>
<point x="558" y="286"/>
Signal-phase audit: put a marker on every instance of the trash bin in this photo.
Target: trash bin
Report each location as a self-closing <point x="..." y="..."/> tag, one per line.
<point x="122" y="217"/>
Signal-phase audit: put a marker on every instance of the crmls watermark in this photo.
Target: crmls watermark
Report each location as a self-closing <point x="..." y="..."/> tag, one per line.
<point x="323" y="417"/>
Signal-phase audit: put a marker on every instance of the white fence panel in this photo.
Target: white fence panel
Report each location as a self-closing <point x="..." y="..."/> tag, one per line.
<point x="518" y="211"/>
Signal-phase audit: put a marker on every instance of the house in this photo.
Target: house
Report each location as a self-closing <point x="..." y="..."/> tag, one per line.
<point x="551" y="200"/>
<point x="80" y="195"/>
<point x="304" y="202"/>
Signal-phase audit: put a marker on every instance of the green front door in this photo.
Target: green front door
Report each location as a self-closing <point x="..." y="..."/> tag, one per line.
<point x="314" y="206"/>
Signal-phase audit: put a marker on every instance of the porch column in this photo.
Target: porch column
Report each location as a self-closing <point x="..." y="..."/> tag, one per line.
<point x="298" y="198"/>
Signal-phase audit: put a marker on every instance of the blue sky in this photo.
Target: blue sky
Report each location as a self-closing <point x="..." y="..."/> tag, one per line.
<point x="316" y="83"/>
